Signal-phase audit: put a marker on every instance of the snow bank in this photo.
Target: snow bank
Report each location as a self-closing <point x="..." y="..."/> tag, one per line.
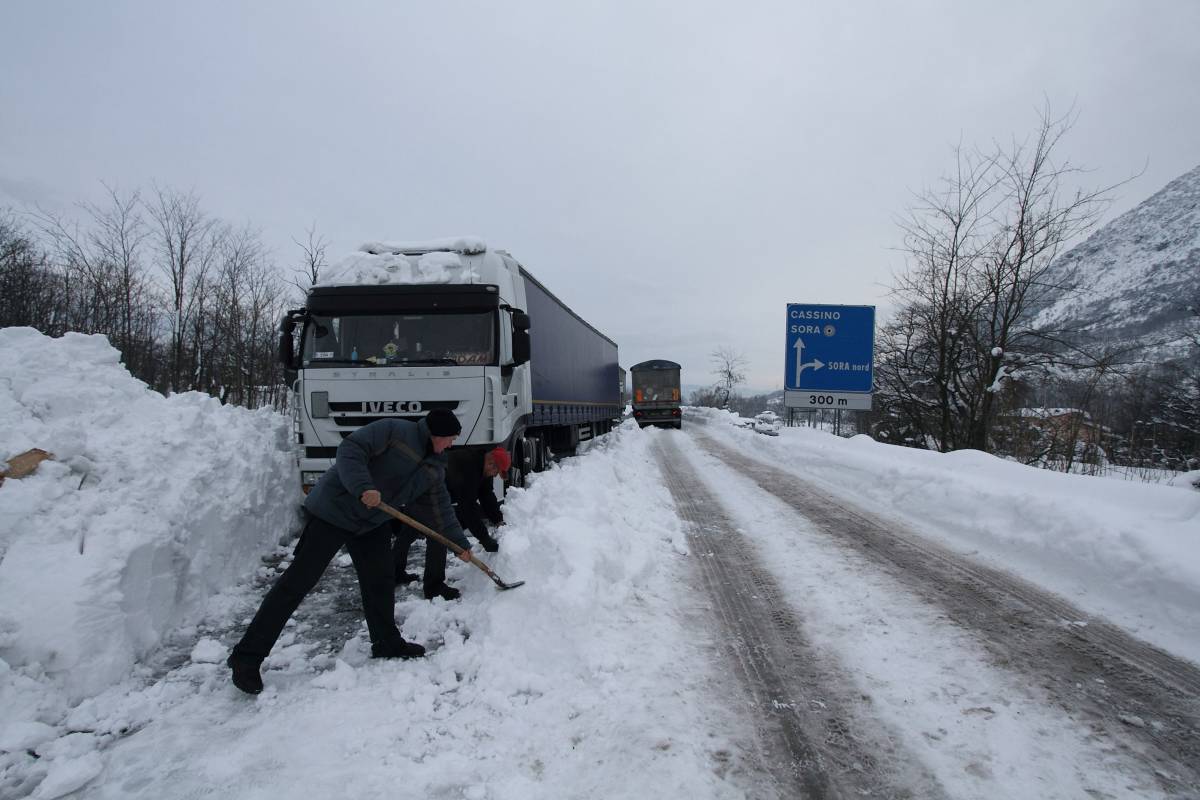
<point x="586" y="682"/>
<point x="152" y="505"/>
<point x="1123" y="550"/>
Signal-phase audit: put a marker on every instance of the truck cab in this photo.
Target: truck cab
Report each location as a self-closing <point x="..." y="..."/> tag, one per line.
<point x="399" y="329"/>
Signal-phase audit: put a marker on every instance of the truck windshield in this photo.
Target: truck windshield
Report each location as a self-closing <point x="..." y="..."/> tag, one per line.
<point x="377" y="339"/>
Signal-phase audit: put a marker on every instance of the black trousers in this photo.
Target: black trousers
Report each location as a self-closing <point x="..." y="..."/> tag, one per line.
<point x="318" y="544"/>
<point x="435" y="555"/>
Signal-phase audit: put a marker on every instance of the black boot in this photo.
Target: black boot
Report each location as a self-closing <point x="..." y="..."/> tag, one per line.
<point x="443" y="591"/>
<point x="406" y="577"/>
<point x="489" y="544"/>
<point x="401" y="649"/>
<point x="245" y="674"/>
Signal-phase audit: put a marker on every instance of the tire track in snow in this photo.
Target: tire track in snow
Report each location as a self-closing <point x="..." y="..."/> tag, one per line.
<point x="807" y="737"/>
<point x="1142" y="698"/>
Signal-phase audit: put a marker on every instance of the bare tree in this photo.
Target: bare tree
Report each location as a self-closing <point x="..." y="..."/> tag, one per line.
<point x="185" y="240"/>
<point x="228" y="349"/>
<point x="210" y="325"/>
<point x="707" y="396"/>
<point x="118" y="234"/>
<point x="979" y="248"/>
<point x="246" y="299"/>
<point x="31" y="292"/>
<point x="924" y="349"/>
<point x="1035" y="218"/>
<point x="312" y="260"/>
<point x="105" y="287"/>
<point x="728" y="366"/>
<point x="87" y="277"/>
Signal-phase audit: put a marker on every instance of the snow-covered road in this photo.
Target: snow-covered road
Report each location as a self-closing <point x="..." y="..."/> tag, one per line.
<point x="985" y="679"/>
<point x="705" y="616"/>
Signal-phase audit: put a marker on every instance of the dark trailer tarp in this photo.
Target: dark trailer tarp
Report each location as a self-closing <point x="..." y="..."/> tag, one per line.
<point x="655" y="363"/>
<point x="656" y="397"/>
<point x="655" y="382"/>
<point x="575" y="370"/>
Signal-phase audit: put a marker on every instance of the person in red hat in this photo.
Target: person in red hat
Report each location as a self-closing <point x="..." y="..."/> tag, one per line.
<point x="475" y="499"/>
<point x="469" y="477"/>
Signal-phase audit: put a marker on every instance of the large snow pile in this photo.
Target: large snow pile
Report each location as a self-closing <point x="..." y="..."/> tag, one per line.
<point x="588" y="681"/>
<point x="151" y="505"/>
<point x="1123" y="550"/>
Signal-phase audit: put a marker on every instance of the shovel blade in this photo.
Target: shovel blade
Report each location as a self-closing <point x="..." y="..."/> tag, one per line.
<point x="505" y="586"/>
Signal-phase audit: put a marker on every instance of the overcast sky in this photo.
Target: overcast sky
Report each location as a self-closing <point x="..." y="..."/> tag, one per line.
<point x="676" y="172"/>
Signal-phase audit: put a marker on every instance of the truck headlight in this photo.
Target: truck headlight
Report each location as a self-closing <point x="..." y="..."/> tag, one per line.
<point x="318" y="405"/>
<point x="310" y="478"/>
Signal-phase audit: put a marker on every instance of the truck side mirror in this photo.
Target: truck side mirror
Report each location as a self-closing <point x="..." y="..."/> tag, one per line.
<point x="520" y="337"/>
<point x="287" y="343"/>
<point x="287" y="348"/>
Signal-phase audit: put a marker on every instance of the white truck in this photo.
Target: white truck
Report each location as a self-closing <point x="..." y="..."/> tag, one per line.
<point x="400" y="328"/>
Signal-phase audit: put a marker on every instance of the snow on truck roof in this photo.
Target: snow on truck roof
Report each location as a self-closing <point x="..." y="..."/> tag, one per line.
<point x="468" y="245"/>
<point x="431" y="261"/>
<point x="418" y="262"/>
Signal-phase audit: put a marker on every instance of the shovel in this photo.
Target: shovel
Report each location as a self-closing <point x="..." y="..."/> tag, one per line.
<point x="437" y="537"/>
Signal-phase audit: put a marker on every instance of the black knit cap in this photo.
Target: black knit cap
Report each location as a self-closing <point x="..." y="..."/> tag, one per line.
<point x="443" y="423"/>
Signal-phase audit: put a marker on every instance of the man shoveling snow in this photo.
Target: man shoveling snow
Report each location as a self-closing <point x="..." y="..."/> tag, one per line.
<point x="392" y="460"/>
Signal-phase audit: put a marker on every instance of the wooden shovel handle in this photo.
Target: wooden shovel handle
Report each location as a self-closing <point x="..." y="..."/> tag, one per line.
<point x="437" y="537"/>
<point x="23" y="464"/>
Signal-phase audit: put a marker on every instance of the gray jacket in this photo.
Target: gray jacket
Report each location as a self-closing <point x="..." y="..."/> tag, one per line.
<point x="392" y="456"/>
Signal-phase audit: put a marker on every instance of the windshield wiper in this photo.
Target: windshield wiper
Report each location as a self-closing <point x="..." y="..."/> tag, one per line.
<point x="316" y="361"/>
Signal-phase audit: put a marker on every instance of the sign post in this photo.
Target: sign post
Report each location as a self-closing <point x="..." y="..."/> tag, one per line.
<point x="829" y="357"/>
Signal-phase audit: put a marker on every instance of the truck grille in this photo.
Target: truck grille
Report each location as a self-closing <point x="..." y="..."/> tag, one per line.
<point x="351" y="415"/>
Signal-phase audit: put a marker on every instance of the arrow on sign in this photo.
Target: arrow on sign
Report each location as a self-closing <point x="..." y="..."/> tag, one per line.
<point x="816" y="363"/>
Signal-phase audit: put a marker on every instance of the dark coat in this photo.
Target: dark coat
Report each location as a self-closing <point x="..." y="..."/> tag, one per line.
<point x="394" y="457"/>
<point x="471" y="492"/>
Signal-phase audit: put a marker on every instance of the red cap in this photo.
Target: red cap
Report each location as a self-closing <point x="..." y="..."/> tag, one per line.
<point x="502" y="458"/>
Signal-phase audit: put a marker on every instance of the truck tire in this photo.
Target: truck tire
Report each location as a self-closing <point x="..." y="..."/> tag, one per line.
<point x="516" y="473"/>
<point x="525" y="458"/>
<point x="541" y="454"/>
<point x="537" y="461"/>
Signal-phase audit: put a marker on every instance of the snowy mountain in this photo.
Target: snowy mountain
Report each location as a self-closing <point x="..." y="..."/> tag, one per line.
<point x="1136" y="276"/>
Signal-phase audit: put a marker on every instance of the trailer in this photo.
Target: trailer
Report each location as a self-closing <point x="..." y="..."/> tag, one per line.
<point x="398" y="329"/>
<point x="656" y="398"/>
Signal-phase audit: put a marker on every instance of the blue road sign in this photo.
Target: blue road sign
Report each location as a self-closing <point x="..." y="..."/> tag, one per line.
<point x="829" y="348"/>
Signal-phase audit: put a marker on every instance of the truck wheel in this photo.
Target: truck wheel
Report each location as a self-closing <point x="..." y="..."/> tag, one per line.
<point x="524" y="459"/>
<point x="538" y="453"/>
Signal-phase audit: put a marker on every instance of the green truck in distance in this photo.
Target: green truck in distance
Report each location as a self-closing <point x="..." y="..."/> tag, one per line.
<point x="656" y="394"/>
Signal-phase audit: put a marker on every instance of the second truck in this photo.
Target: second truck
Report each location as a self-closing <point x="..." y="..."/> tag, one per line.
<point x="656" y="394"/>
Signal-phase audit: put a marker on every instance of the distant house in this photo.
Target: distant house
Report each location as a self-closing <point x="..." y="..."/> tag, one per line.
<point x="1060" y="428"/>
